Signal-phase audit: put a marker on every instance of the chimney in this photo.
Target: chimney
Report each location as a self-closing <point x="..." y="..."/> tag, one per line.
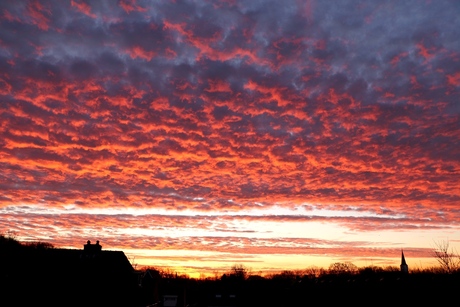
<point x="92" y="248"/>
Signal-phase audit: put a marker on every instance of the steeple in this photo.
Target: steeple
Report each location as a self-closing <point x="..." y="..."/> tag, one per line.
<point x="404" y="266"/>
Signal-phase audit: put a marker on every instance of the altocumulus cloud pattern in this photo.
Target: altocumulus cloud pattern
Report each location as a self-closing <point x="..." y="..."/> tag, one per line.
<point x="157" y="118"/>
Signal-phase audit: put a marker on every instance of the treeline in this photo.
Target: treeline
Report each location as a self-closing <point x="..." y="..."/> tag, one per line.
<point x="337" y="271"/>
<point x="241" y="272"/>
<point x="341" y="283"/>
<point x="9" y="242"/>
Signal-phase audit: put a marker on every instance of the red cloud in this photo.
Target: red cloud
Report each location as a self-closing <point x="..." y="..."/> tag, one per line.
<point x="454" y="79"/>
<point x="39" y="15"/>
<point x="82" y="7"/>
<point x="139" y="52"/>
<point x="130" y="6"/>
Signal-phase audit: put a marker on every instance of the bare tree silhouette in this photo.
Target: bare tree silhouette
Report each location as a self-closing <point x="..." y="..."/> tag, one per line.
<point x="448" y="258"/>
<point x="314" y="271"/>
<point x="239" y="271"/>
<point x="343" y="268"/>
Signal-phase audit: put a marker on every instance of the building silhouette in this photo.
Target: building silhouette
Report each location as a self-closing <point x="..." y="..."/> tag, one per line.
<point x="33" y="274"/>
<point x="404" y="267"/>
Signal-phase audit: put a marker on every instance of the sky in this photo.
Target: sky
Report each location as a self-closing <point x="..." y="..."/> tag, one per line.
<point x="195" y="135"/>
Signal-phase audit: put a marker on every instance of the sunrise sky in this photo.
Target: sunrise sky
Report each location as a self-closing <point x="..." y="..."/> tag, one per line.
<point x="196" y="135"/>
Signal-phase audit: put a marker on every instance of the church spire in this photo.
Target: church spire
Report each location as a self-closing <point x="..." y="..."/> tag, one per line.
<point x="404" y="266"/>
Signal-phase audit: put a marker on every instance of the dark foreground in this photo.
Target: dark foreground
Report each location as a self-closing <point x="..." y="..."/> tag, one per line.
<point x="410" y="290"/>
<point x="39" y="275"/>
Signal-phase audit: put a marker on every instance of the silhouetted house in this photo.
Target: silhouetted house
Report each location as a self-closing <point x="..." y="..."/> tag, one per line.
<point x="107" y="262"/>
<point x="106" y="276"/>
<point x="404" y="266"/>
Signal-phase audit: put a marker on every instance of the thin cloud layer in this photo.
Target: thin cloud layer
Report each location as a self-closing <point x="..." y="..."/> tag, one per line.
<point x="230" y="106"/>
